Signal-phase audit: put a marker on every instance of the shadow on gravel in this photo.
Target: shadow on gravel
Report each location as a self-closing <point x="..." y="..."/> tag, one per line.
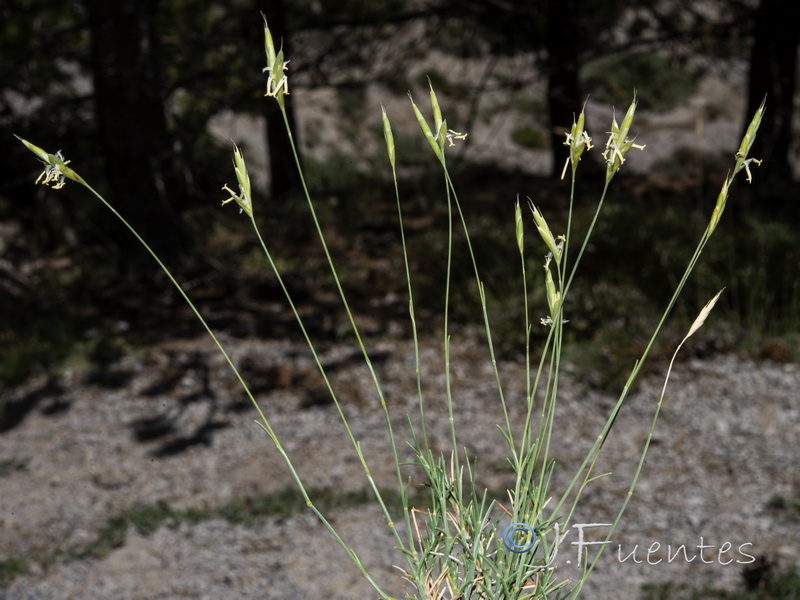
<point x="51" y="395"/>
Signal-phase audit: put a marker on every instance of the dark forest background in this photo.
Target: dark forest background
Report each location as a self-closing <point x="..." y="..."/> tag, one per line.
<point x="128" y="89"/>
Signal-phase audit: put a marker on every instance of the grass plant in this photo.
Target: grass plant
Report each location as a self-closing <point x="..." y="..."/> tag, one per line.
<point x="455" y="547"/>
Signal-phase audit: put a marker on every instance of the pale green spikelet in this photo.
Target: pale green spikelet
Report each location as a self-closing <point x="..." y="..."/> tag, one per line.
<point x="556" y="247"/>
<point x="719" y="207"/>
<point x="387" y="135"/>
<point x="426" y="130"/>
<point x="578" y="141"/>
<point x="439" y="134"/>
<point x="742" y="161"/>
<point x="277" y="81"/>
<point x="438" y="121"/>
<point x="56" y="171"/>
<point x="618" y="143"/>
<point x="519" y="228"/>
<point x="244" y="197"/>
<point x="553" y="296"/>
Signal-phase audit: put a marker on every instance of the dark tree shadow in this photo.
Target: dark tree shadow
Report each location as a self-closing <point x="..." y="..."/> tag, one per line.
<point x="52" y="392"/>
<point x="168" y="424"/>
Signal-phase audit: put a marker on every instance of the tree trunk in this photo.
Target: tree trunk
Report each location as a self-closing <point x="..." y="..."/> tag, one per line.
<point x="283" y="171"/>
<point x="772" y="74"/>
<point x="132" y="125"/>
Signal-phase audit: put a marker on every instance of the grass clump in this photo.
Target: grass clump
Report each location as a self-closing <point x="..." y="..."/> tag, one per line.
<point x="112" y="535"/>
<point x="248" y="511"/>
<point x="461" y="540"/>
<point x="12" y="465"/>
<point x="788" y="508"/>
<point x="10" y="568"/>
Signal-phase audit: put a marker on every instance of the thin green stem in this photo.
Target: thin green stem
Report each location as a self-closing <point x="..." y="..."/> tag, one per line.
<point x="446" y="333"/>
<point x="479" y="284"/>
<point x="417" y="369"/>
<point x="362" y="347"/>
<point x="264" y="422"/>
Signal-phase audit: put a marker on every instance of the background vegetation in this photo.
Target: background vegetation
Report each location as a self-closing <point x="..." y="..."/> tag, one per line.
<point x="134" y="91"/>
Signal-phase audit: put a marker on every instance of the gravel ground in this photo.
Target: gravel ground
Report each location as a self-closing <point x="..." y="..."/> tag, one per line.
<point x="169" y="425"/>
